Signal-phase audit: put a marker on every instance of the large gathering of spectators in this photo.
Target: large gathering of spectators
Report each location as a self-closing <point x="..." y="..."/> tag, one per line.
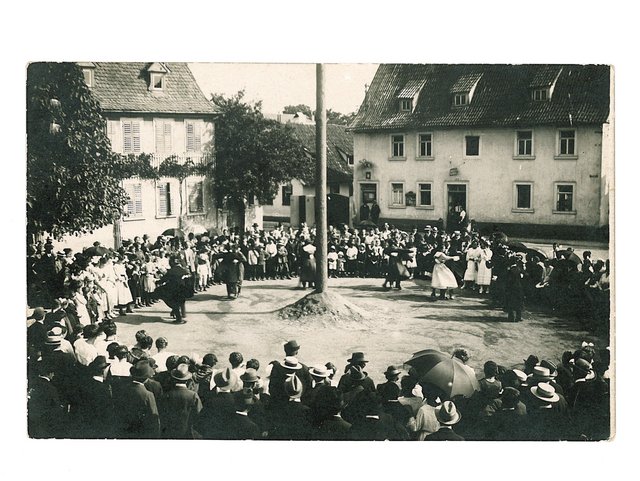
<point x="86" y="382"/>
<point x="97" y="385"/>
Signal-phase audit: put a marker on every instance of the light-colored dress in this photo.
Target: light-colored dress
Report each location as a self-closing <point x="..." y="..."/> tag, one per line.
<point x="122" y="285"/>
<point x="442" y="277"/>
<point x="473" y="255"/>
<point x="149" y="281"/>
<point x="81" y="308"/>
<point x="484" y="273"/>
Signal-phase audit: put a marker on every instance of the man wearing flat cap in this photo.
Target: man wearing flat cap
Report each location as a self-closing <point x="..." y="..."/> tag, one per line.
<point x="179" y="407"/>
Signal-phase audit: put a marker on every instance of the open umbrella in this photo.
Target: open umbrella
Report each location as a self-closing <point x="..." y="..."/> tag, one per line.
<point x="367" y="223"/>
<point x="516" y="246"/>
<point x="174" y="232"/>
<point x="441" y="370"/>
<point x="96" y="251"/>
<point x="536" y="251"/>
<point x="569" y="255"/>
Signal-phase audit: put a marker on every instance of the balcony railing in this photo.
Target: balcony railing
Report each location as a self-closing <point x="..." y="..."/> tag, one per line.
<point x="198" y="158"/>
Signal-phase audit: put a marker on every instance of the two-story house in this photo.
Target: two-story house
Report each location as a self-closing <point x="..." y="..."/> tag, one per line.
<point x="156" y="109"/>
<point x="524" y="148"/>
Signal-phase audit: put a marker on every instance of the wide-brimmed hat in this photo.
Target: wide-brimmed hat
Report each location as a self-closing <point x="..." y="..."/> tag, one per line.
<point x="522" y="376"/>
<point x="291" y="346"/>
<point x="448" y="414"/>
<point x="541" y="374"/>
<point x="98" y="365"/>
<point x="357" y="357"/>
<point x="141" y="370"/>
<point x="532" y="360"/>
<point x="293" y="386"/>
<point x="53" y="339"/>
<point x="250" y="375"/>
<point x="181" y="372"/>
<point x="553" y="369"/>
<point x="38" y="314"/>
<point x="546" y="392"/>
<point x="291" y="362"/>
<point x="225" y="378"/>
<point x="392" y="371"/>
<point x="584" y="367"/>
<point x="319" y="371"/>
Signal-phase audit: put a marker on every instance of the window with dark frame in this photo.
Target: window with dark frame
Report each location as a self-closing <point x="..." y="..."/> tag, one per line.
<point x="460" y="100"/>
<point x="287" y="191"/>
<point x="540" y="94"/>
<point x="397" y="193"/>
<point x="525" y="142"/>
<point x="164" y="199"/>
<point x="195" y="191"/>
<point x="425" y="145"/>
<point x="406" y="105"/>
<point x="425" y="194"/>
<point x="523" y="196"/>
<point x="157" y="81"/>
<point x="472" y="145"/>
<point x="397" y="145"/>
<point x="564" y="198"/>
<point x="567" y="142"/>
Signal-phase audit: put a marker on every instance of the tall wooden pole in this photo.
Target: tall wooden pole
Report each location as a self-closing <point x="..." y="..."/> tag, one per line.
<point x="321" y="183"/>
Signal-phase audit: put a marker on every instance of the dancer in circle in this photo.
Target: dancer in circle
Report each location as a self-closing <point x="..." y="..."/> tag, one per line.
<point x="442" y="277"/>
<point x="175" y="287"/>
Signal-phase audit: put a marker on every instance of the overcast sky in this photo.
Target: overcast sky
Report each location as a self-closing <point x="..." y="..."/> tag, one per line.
<point x="278" y="85"/>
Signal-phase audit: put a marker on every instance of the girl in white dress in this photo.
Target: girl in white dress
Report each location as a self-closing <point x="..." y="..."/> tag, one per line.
<point x="471" y="273"/>
<point x="485" y="272"/>
<point x="122" y="286"/>
<point x="442" y="277"/>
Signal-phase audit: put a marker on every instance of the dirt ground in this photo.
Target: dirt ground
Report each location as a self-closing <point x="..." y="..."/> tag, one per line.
<point x="395" y="324"/>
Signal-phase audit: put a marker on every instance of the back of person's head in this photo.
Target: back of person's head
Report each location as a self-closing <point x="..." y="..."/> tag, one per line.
<point x="407" y="383"/>
<point x="566" y="357"/>
<point x="235" y="359"/>
<point x="461" y="354"/>
<point x="109" y="328"/>
<point x="431" y="393"/>
<point x="490" y="369"/>
<point x="122" y="352"/>
<point x="146" y="342"/>
<point x="328" y="401"/>
<point x="137" y="354"/>
<point x="331" y="368"/>
<point x="210" y="360"/>
<point x="172" y="362"/>
<point x="90" y="331"/>
<point x="389" y="392"/>
<point x="253" y="364"/>
<point x="161" y="343"/>
<point x="112" y="348"/>
<point x="140" y="335"/>
<point x="586" y="254"/>
<point x="510" y="397"/>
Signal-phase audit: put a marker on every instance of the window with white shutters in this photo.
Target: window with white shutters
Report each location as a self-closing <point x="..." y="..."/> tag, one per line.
<point x="164" y="199"/>
<point x="164" y="141"/>
<point x="134" y="204"/>
<point x="193" y="135"/>
<point x="130" y="136"/>
<point x="196" y="197"/>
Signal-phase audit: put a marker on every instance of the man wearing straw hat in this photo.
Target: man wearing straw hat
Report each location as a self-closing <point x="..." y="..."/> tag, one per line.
<point x="448" y="416"/>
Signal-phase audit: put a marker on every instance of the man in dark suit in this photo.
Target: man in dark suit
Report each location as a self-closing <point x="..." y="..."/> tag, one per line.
<point x="239" y="425"/>
<point x="219" y="406"/>
<point x="320" y="377"/>
<point x="514" y="288"/>
<point x="95" y="403"/>
<point x="291" y="420"/>
<point x="46" y="411"/>
<point x="36" y="332"/>
<point x="280" y="371"/>
<point x="136" y="409"/>
<point x="327" y="421"/>
<point x="447" y="416"/>
<point x="179" y="407"/>
<point x="372" y="424"/>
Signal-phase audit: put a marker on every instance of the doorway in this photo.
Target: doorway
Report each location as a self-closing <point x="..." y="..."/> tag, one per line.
<point x="456" y="201"/>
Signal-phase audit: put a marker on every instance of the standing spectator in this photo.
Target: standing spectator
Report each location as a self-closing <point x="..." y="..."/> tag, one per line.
<point x="46" y="408"/>
<point x="136" y="408"/>
<point x="485" y="272"/>
<point x="473" y="255"/>
<point x="514" y="289"/>
<point x="375" y="212"/>
<point x="448" y="416"/>
<point x="179" y="407"/>
<point x="163" y="354"/>
<point x="365" y="212"/>
<point x="96" y="415"/>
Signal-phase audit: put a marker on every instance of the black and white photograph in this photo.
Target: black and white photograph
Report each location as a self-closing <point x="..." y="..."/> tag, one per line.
<point x="321" y="255"/>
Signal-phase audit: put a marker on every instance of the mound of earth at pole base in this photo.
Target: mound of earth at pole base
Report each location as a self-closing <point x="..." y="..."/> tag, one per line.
<point x="326" y="307"/>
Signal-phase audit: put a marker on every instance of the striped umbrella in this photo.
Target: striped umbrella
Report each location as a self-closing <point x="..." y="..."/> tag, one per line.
<point x="441" y="370"/>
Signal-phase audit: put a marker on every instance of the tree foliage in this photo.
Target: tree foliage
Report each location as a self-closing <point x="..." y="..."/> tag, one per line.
<point x="294" y="109"/>
<point x="73" y="177"/>
<point x="254" y="155"/>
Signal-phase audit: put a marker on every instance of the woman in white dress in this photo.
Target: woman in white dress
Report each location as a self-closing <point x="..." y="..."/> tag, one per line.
<point x="80" y="302"/>
<point x="149" y="270"/>
<point x="442" y="277"/>
<point x="485" y="272"/>
<point x="122" y="286"/>
<point x="471" y="273"/>
<point x="106" y="282"/>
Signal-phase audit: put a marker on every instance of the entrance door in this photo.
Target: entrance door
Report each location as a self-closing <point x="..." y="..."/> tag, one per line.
<point x="369" y="193"/>
<point x="456" y="201"/>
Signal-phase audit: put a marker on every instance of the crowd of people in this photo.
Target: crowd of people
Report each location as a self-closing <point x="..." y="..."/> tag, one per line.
<point x="97" y="385"/>
<point x="85" y="382"/>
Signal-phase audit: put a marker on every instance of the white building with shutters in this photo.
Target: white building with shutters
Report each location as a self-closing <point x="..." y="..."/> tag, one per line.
<point x="156" y="109"/>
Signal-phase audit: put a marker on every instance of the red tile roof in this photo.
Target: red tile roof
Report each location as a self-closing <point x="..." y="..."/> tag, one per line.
<point x="502" y="96"/>
<point x="124" y="87"/>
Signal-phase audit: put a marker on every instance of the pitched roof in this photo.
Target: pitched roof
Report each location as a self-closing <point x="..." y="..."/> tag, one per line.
<point x="338" y="139"/>
<point x="124" y="87"/>
<point x="502" y="96"/>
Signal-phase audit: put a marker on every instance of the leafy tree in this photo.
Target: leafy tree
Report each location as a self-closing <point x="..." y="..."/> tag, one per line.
<point x="294" y="109"/>
<point x="254" y="155"/>
<point x="337" y="118"/>
<point x="73" y="177"/>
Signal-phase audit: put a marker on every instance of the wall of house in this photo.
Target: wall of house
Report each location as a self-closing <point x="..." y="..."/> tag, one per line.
<point x="489" y="178"/>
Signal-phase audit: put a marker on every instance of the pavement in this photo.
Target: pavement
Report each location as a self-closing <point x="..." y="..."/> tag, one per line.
<point x="399" y="323"/>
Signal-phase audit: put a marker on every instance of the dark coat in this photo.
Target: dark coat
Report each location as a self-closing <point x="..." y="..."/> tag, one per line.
<point x="211" y="423"/>
<point x="279" y="375"/>
<point x="514" y="288"/>
<point x="290" y="421"/>
<point x="46" y="411"/>
<point x="155" y="388"/>
<point x="179" y="410"/>
<point x="239" y="426"/>
<point x="444" y="434"/>
<point x="136" y="412"/>
<point x="96" y="415"/>
<point x="384" y="427"/>
<point x="333" y="429"/>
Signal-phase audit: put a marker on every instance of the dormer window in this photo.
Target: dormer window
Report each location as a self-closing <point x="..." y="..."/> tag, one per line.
<point x="157" y="77"/>
<point x="460" y="99"/>
<point x="406" y="105"/>
<point x="88" y="69"/>
<point x="544" y="83"/>
<point x="464" y="88"/>
<point x="157" y="81"/>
